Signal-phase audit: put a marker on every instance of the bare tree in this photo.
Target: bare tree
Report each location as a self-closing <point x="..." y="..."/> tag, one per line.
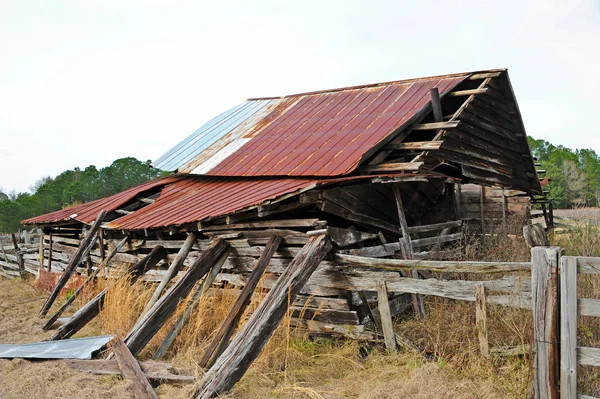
<point x="576" y="184"/>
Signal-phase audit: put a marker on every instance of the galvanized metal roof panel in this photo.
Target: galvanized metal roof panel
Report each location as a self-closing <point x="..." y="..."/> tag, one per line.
<point x="77" y="348"/>
<point x="215" y="132"/>
<point x="324" y="133"/>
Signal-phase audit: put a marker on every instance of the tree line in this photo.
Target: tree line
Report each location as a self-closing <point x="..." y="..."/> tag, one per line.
<point x="574" y="174"/>
<point x="72" y="187"/>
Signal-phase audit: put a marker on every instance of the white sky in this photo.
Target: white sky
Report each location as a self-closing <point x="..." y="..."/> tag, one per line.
<point x="87" y="82"/>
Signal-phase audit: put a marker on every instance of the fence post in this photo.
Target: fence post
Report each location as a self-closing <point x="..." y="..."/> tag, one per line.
<point x="568" y="327"/>
<point x="545" y="321"/>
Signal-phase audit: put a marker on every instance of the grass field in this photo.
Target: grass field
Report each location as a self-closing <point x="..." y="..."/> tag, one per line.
<point x="293" y="366"/>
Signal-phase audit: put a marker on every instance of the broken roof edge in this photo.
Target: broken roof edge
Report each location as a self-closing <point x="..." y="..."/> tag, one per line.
<point x="368" y="85"/>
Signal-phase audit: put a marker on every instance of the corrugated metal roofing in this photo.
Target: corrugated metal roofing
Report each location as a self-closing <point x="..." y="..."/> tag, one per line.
<point x="313" y="134"/>
<point x="86" y="213"/>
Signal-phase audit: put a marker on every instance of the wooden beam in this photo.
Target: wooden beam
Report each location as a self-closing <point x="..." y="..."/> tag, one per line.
<point x="266" y="224"/>
<point x="436" y="105"/>
<point x="484" y="75"/>
<point x="545" y="321"/>
<point x="91" y="309"/>
<point x="415" y="146"/>
<point x="84" y="248"/>
<point x="434" y="227"/>
<point x="386" y="317"/>
<point x="467" y="92"/>
<point x="481" y="321"/>
<point x="482" y="208"/>
<point x="221" y="339"/>
<point x="435" y="125"/>
<point x="172" y="271"/>
<point x="132" y="372"/>
<point x="568" y="327"/>
<point x="457" y="192"/>
<point x="247" y="344"/>
<point x="147" y="327"/>
<point x="79" y="290"/>
<point x="123" y="212"/>
<point x="330" y="207"/>
<point x="391" y="167"/>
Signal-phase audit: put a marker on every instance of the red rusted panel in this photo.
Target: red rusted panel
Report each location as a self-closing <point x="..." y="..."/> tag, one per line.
<point x="328" y="133"/>
<point x="86" y="213"/>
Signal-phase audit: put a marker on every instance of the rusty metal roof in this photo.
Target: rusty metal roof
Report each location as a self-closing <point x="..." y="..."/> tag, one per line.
<point x="86" y="213"/>
<point x="326" y="133"/>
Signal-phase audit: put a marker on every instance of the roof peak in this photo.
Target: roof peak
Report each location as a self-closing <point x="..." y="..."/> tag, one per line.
<point x="357" y="87"/>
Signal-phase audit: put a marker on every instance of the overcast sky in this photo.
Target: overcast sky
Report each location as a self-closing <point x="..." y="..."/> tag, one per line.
<point x="87" y="82"/>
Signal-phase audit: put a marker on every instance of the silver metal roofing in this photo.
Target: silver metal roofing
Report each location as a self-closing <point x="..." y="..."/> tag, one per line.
<point x="77" y="348"/>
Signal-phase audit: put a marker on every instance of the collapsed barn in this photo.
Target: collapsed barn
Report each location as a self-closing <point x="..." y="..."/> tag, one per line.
<point x="389" y="170"/>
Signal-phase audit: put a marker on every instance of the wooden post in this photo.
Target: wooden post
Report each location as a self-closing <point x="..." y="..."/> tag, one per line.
<point x="84" y="248"/>
<point x="172" y="271"/>
<point x="132" y="372"/>
<point x="481" y="320"/>
<point x="19" y="254"/>
<point x="41" y="252"/>
<point x="243" y="300"/>
<point x="50" y="252"/>
<point x="457" y="200"/>
<point x="481" y="208"/>
<point x="407" y="249"/>
<point x="386" y="317"/>
<point x="436" y="105"/>
<point x="503" y="205"/>
<point x="157" y="315"/>
<point x="101" y="245"/>
<point x="535" y="235"/>
<point x="545" y="321"/>
<point x="79" y="290"/>
<point x="248" y="343"/>
<point x="91" y="309"/>
<point x="568" y="328"/>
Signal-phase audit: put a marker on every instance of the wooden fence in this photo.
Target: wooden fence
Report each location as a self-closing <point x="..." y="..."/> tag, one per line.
<point x="571" y="306"/>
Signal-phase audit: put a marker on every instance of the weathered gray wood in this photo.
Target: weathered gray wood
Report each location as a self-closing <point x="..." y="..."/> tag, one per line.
<point x="568" y="328"/>
<point x="457" y="210"/>
<point x="535" y="235"/>
<point x="221" y="339"/>
<point x="588" y="265"/>
<point x="434" y="227"/>
<point x="91" y="309"/>
<point x="435" y="125"/>
<point x="154" y="319"/>
<point x="172" y="271"/>
<point x="386" y="317"/>
<point x="391" y="167"/>
<point x="482" y="208"/>
<point x="545" y="321"/>
<point x="588" y="307"/>
<point x="335" y="209"/>
<point x="415" y="146"/>
<point x="82" y="252"/>
<point x="436" y="266"/>
<point x="481" y="320"/>
<point x="588" y="356"/>
<point x="191" y="307"/>
<point x="157" y="373"/>
<point x="132" y="372"/>
<point x="406" y="247"/>
<point x="266" y="224"/>
<point x="248" y="343"/>
<point x="79" y="290"/>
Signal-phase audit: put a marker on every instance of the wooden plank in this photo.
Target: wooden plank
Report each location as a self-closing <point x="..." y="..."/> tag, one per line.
<point x="470" y="92"/>
<point x="482" y="208"/>
<point x="91" y="309"/>
<point x="434" y="227"/>
<point x="132" y="372"/>
<point x="415" y="146"/>
<point x="544" y="296"/>
<point x="457" y="189"/>
<point x="248" y="343"/>
<point x="435" y="125"/>
<point x="79" y="290"/>
<point x="568" y="327"/>
<point x="481" y="320"/>
<point x="171" y="272"/>
<point x="266" y="224"/>
<point x="221" y="339"/>
<point x="435" y="266"/>
<point x="588" y="307"/>
<point x="588" y="265"/>
<point x="588" y="356"/>
<point x="156" y="372"/>
<point x="82" y="251"/>
<point x="386" y="317"/>
<point x="436" y="105"/>
<point x="391" y="167"/>
<point x="437" y="239"/>
<point x="484" y="75"/>
<point x="147" y="327"/>
<point x="335" y="209"/>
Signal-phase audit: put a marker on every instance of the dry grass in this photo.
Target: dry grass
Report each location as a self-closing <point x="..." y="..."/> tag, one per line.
<point x="294" y="366"/>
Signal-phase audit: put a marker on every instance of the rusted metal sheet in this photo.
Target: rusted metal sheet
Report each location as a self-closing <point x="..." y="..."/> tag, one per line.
<point x="323" y="133"/>
<point x="86" y="213"/>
